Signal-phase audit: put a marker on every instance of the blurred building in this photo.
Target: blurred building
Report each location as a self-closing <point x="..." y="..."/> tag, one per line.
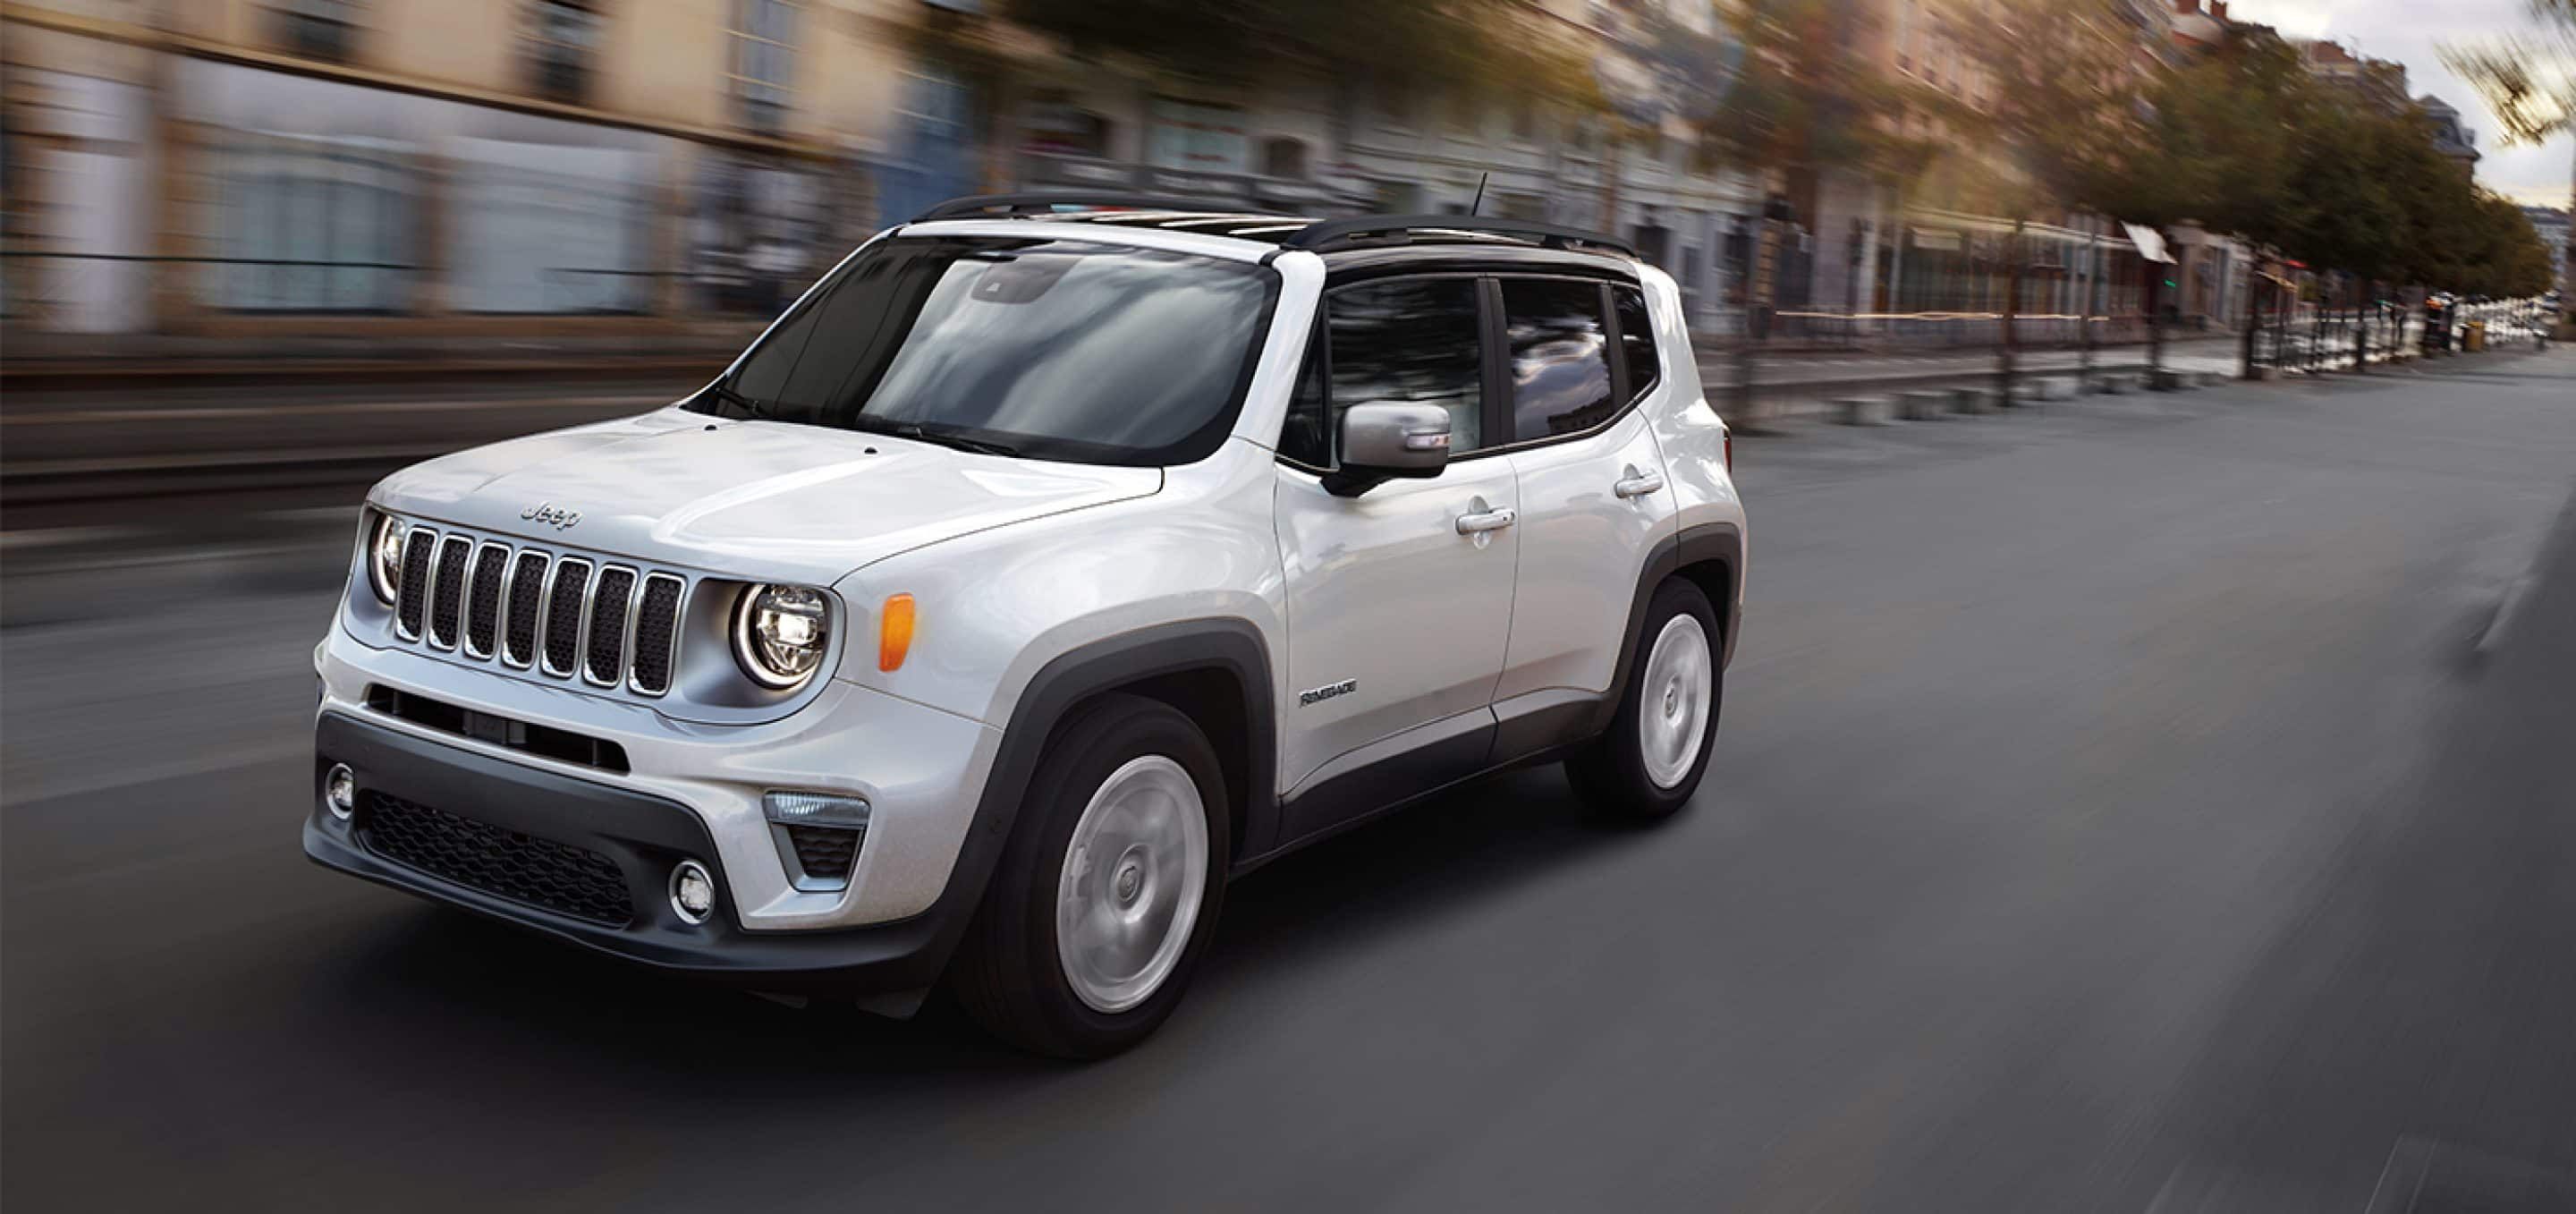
<point x="500" y="169"/>
<point x="1322" y="143"/>
<point x="2380" y="83"/>
<point x="1927" y="247"/>
<point x="223" y="167"/>
<point x="2198" y="26"/>
<point x="245" y="167"/>
<point x="2451" y="137"/>
<point x="2552" y="224"/>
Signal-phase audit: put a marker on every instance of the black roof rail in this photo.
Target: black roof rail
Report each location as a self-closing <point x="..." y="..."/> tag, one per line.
<point x="1039" y="203"/>
<point x="1331" y="233"/>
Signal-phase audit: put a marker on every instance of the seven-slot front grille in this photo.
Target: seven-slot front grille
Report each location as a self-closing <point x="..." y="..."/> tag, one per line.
<point x="412" y="605"/>
<point x="604" y="658"/>
<point x="657" y="629"/>
<point x="447" y="590"/>
<point x="564" y="615"/>
<point x="527" y="594"/>
<point x="483" y="598"/>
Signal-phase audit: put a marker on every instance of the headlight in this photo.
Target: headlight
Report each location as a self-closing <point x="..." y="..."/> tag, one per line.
<point x="385" y="557"/>
<point x="780" y="634"/>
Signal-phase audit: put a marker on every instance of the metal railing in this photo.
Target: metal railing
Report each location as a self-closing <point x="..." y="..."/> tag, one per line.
<point x="29" y="297"/>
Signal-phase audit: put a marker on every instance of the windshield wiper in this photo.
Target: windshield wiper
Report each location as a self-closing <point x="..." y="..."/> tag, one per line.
<point x="749" y="406"/>
<point x="938" y="438"/>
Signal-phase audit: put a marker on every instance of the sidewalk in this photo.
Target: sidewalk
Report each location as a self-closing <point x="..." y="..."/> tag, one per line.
<point x="87" y="362"/>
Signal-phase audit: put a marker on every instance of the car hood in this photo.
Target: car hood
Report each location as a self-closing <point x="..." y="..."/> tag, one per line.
<point x="768" y="500"/>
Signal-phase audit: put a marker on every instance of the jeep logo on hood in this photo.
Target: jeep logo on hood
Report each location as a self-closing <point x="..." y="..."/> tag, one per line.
<point x="547" y="513"/>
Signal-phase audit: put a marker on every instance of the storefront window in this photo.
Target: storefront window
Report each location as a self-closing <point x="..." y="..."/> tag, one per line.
<point x="313" y="223"/>
<point x="1197" y="137"/>
<point x="538" y="227"/>
<point x="1284" y="158"/>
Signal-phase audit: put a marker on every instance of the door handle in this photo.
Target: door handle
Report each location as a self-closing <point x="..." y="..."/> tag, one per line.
<point x="1638" y="484"/>
<point x="1490" y="520"/>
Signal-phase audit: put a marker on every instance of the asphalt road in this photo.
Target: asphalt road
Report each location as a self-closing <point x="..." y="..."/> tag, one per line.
<point x="2150" y="804"/>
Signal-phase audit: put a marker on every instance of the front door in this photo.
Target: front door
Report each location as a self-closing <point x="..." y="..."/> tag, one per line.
<point x="1397" y="614"/>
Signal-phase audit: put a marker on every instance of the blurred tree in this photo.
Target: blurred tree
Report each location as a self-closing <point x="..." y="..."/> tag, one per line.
<point x="2065" y="100"/>
<point x="2528" y="80"/>
<point x="1808" y="100"/>
<point x="2430" y="244"/>
<point x="2340" y="208"/>
<point x="2214" y="139"/>
<point x="2068" y="97"/>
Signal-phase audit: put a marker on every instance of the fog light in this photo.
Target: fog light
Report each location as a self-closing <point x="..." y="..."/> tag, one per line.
<point x="693" y="891"/>
<point x="340" y="791"/>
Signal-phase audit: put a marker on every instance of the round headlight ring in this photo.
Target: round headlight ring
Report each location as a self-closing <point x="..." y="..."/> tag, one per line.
<point x="385" y="557"/>
<point x="781" y="634"/>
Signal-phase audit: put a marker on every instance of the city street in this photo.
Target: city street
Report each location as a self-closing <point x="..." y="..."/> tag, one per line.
<point x="2144" y="803"/>
<point x="119" y="451"/>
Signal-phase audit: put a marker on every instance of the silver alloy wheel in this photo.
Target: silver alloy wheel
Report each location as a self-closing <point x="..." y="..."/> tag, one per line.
<point x="1133" y="876"/>
<point x="1673" y="707"/>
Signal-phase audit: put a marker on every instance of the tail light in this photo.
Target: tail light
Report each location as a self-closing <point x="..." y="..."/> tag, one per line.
<point x="1730" y="455"/>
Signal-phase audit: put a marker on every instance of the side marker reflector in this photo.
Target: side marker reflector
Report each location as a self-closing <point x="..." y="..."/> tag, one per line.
<point x="894" y="632"/>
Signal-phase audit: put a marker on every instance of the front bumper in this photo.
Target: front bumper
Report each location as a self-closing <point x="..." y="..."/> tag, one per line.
<point x="921" y="770"/>
<point x="641" y="835"/>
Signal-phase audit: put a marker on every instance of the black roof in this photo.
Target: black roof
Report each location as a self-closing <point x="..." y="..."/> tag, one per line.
<point x="1287" y="231"/>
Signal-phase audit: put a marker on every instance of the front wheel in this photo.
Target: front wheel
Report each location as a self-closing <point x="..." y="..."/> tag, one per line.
<point x="1108" y="891"/>
<point x="1652" y="757"/>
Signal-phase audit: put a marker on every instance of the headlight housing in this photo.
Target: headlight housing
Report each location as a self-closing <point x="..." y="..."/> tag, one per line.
<point x="780" y="634"/>
<point x="385" y="557"/>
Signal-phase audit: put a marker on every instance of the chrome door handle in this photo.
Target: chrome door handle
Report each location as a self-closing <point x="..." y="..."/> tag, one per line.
<point x="1490" y="520"/>
<point x="1637" y="484"/>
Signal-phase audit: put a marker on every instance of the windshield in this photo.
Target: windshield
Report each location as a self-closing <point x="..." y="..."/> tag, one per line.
<point x="1046" y="348"/>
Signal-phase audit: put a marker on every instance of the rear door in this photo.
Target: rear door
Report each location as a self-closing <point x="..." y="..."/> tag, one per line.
<point x="1583" y="369"/>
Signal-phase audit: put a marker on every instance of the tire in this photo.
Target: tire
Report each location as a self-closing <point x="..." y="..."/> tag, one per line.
<point x="1650" y="760"/>
<point x="1106" y="771"/>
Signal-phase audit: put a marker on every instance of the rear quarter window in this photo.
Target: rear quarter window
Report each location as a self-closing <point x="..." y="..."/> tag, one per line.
<point x="1644" y="365"/>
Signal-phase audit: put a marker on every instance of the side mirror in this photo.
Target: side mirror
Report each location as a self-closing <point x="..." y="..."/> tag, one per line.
<point x="1385" y="440"/>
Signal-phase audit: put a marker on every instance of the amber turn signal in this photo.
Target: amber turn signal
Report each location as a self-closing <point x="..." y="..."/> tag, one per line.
<point x="894" y="632"/>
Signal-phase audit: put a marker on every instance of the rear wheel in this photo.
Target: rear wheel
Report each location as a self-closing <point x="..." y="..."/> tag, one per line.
<point x="1652" y="757"/>
<point x="1108" y="891"/>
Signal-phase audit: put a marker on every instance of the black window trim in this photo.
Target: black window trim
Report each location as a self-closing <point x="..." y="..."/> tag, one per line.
<point x="1319" y="346"/>
<point x="1618" y="368"/>
<point x="1495" y="330"/>
<point x="1619" y="342"/>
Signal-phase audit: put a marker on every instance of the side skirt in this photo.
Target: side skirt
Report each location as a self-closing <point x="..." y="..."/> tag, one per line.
<point x="1537" y="728"/>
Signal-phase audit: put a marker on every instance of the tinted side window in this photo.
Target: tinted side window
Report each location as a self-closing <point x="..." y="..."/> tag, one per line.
<point x="1637" y="341"/>
<point x="1413" y="340"/>
<point x="1560" y="350"/>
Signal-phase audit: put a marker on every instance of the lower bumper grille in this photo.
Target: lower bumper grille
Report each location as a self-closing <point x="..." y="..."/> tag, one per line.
<point x="559" y="877"/>
<point x="826" y="853"/>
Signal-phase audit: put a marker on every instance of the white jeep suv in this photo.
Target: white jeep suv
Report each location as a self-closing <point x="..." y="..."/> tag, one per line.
<point x="1045" y="567"/>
